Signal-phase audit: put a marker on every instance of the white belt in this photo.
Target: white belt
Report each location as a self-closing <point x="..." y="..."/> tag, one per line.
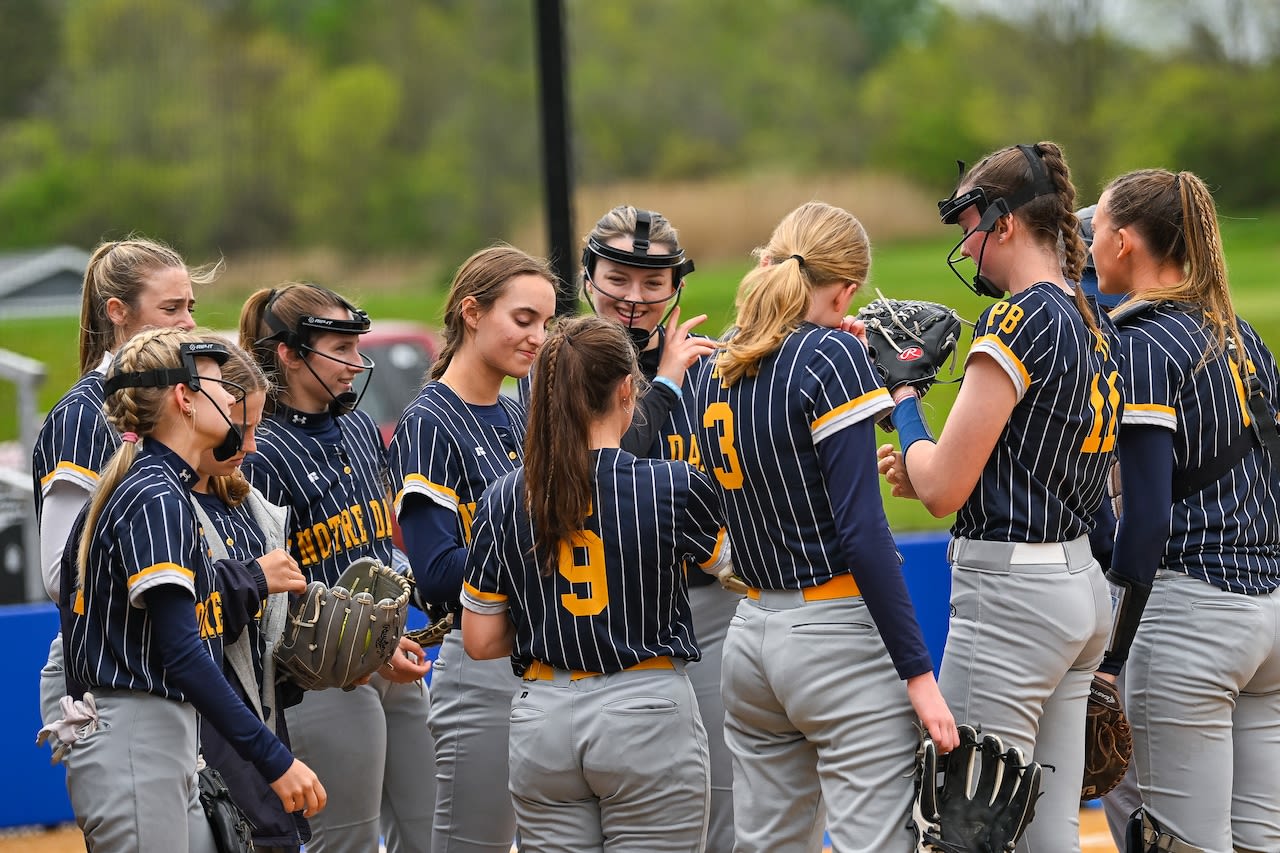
<point x="1037" y="553"/>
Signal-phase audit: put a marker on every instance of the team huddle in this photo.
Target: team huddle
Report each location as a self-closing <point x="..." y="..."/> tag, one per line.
<point x="679" y="618"/>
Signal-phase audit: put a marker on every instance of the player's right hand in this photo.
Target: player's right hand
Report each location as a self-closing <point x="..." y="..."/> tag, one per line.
<point x="933" y="712"/>
<point x="409" y="663"/>
<point x="282" y="572"/>
<point x="679" y="350"/>
<point x="299" y="789"/>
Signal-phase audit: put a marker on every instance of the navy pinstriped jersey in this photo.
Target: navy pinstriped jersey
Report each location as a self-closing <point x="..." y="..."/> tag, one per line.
<point x="75" y="441"/>
<point x="445" y="450"/>
<point x="146" y="536"/>
<point x="758" y="440"/>
<point x="618" y="595"/>
<point x="332" y="474"/>
<point x="1228" y="533"/>
<point x="235" y="527"/>
<point x="1046" y="475"/>
<point x="679" y="434"/>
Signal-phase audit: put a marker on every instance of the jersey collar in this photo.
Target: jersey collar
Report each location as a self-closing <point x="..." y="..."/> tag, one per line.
<point x="184" y="472"/>
<point x="306" y="420"/>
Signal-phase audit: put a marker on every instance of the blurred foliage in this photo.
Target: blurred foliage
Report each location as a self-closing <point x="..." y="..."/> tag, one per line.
<point x="404" y="125"/>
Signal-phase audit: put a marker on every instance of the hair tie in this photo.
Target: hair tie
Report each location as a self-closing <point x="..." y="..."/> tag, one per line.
<point x="799" y="259"/>
<point x="130" y="437"/>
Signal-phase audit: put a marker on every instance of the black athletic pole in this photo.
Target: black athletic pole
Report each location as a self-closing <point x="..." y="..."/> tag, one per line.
<point x="554" y="114"/>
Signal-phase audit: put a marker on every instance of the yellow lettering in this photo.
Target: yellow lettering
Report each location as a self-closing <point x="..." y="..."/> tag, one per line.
<point x="1102" y="434"/>
<point x="209" y="616"/>
<point x="357" y="512"/>
<point x="349" y="538"/>
<point x="1241" y="395"/>
<point x="381" y="522"/>
<point x="307" y="548"/>
<point x="675" y="444"/>
<point x="324" y="545"/>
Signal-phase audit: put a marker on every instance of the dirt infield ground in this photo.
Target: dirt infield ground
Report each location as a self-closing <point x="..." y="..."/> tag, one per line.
<point x="1093" y="838"/>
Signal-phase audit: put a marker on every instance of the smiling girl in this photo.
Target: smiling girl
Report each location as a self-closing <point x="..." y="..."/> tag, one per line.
<point x="321" y="457"/>
<point x="456" y="438"/>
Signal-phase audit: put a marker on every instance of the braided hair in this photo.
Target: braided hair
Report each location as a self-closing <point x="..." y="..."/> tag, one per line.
<point x="1051" y="217"/>
<point x="578" y="369"/>
<point x="1178" y="221"/>
<point x="133" y="410"/>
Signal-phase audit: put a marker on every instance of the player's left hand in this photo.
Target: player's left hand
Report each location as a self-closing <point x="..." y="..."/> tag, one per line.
<point x="680" y="348"/>
<point x="894" y="471"/>
<point x="407" y="665"/>
<point x="931" y="708"/>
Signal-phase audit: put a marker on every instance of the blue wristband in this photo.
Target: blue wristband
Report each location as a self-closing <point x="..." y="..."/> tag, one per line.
<point x="909" y="421"/>
<point x="662" y="380"/>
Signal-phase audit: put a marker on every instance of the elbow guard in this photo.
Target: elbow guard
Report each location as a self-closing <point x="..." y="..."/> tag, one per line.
<point x="1128" y="600"/>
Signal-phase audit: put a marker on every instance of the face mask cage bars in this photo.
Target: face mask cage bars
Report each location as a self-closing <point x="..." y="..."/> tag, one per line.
<point x="299" y="339"/>
<point x="990" y="212"/>
<point x="639" y="256"/>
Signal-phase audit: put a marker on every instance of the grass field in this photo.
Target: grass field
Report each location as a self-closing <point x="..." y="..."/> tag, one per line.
<point x="416" y="291"/>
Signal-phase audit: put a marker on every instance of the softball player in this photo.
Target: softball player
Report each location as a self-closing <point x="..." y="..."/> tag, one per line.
<point x="1200" y="523"/>
<point x="129" y="285"/>
<point x="787" y="431"/>
<point x="239" y="525"/>
<point x="632" y="269"/>
<point x="577" y="571"/>
<point x="325" y="461"/>
<point x="134" y="638"/>
<point x="1022" y="462"/>
<point x="459" y="435"/>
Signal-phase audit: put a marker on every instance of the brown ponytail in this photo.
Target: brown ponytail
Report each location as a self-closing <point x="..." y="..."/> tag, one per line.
<point x="578" y="370"/>
<point x="1052" y="217"/>
<point x="1178" y="221"/>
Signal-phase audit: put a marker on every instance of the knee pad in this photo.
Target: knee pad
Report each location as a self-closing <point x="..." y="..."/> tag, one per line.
<point x="1144" y="834"/>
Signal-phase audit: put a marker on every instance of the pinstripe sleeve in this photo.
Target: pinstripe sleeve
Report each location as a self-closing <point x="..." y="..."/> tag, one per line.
<point x="841" y="387"/>
<point x="84" y="444"/>
<point x="423" y="462"/>
<point x="1019" y="334"/>
<point x="482" y="589"/>
<point x="1150" y="382"/>
<point x="706" y="541"/>
<point x="156" y="537"/>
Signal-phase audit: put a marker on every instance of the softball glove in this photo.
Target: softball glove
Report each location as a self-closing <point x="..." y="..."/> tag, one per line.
<point x="439" y="623"/>
<point x="1108" y="742"/>
<point x="978" y="798"/>
<point x="339" y="634"/>
<point x="909" y="340"/>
